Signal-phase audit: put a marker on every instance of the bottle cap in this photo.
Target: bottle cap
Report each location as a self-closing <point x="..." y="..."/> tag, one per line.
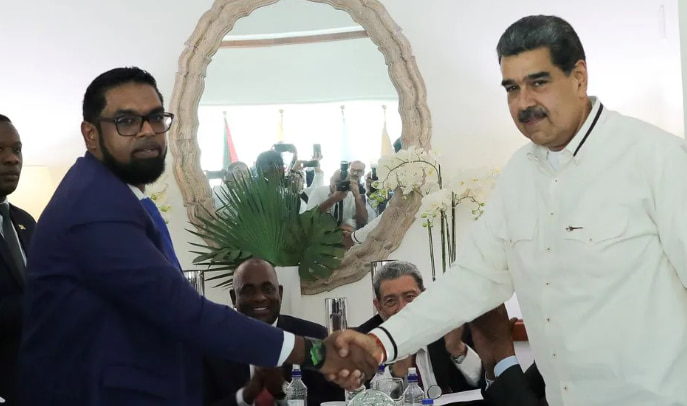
<point x="427" y="401"/>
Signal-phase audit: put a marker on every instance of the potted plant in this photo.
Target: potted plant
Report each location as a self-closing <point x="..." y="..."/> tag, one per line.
<point x="260" y="218"/>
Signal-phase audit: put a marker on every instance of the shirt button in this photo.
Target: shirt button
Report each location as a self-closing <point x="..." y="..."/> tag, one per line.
<point x="548" y="319"/>
<point x="548" y="283"/>
<point x="554" y="355"/>
<point x="551" y="213"/>
<point x="565" y="387"/>
<point x="548" y="249"/>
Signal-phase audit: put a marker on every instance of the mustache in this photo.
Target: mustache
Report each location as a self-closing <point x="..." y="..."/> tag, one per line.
<point x="531" y="113"/>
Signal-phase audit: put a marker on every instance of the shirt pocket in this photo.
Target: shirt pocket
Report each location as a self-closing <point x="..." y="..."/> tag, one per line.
<point x="598" y="230"/>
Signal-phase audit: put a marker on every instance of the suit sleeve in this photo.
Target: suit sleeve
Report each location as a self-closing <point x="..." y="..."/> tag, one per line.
<point x="511" y="389"/>
<point x="10" y="315"/>
<point x="319" y="389"/>
<point x="118" y="262"/>
<point x="214" y="384"/>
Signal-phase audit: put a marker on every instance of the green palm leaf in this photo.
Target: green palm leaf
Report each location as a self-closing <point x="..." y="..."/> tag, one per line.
<point x="259" y="218"/>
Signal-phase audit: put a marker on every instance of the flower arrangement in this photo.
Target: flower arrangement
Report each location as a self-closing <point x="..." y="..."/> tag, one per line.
<point x="418" y="170"/>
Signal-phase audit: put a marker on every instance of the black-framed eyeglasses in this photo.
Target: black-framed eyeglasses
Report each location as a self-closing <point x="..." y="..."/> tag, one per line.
<point x="129" y="125"/>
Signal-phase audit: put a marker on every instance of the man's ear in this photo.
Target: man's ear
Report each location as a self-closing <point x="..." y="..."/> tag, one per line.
<point x="580" y="74"/>
<point x="233" y="296"/>
<point x="281" y="292"/>
<point x="90" y="135"/>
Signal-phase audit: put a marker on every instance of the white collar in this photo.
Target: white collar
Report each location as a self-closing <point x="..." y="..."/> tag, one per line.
<point x="137" y="192"/>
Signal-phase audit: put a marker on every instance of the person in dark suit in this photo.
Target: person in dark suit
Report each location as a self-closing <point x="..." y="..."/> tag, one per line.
<point x="455" y="366"/>
<point x="507" y="384"/>
<point x="110" y="317"/>
<point x="17" y="228"/>
<point x="257" y="293"/>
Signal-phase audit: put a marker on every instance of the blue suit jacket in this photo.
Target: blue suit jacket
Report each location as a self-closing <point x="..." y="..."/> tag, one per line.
<point x="109" y="320"/>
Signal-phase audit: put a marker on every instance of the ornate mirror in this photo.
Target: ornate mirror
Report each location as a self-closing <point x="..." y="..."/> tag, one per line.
<point x="210" y="37"/>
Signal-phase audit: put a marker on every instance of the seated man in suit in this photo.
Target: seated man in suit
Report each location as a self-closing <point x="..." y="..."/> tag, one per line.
<point x="506" y="384"/>
<point x="448" y="362"/>
<point x="17" y="228"/>
<point x="257" y="294"/>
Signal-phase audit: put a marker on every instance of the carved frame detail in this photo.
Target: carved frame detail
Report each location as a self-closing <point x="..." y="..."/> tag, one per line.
<point x="404" y="74"/>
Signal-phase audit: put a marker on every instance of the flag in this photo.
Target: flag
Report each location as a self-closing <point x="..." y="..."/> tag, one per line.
<point x="229" y="149"/>
<point x="280" y="128"/>
<point x="346" y="154"/>
<point x="387" y="149"/>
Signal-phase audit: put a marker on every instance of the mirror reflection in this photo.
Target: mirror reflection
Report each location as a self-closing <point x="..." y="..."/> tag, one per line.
<point x="308" y="102"/>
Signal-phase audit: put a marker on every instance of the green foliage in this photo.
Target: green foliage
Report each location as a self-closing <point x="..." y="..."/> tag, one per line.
<point x="259" y="218"/>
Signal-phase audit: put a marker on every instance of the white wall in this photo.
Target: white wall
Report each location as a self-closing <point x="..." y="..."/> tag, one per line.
<point x="289" y="74"/>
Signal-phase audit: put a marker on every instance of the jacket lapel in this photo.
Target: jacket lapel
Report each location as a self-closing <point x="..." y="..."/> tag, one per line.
<point x="9" y="262"/>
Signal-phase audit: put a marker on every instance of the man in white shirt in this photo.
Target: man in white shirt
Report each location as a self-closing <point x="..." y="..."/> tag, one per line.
<point x="449" y="362"/>
<point x="587" y="225"/>
<point x="342" y="199"/>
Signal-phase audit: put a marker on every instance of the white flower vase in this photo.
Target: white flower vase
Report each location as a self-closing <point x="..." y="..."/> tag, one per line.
<point x="290" y="280"/>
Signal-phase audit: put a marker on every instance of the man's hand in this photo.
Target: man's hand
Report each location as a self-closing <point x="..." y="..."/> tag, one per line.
<point x="454" y="342"/>
<point x="273" y="380"/>
<point x="351" y="359"/>
<point x="493" y="337"/>
<point x="348" y="239"/>
<point x="254" y="387"/>
<point x="399" y="369"/>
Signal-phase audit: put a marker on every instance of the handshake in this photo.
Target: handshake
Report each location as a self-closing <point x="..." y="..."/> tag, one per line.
<point x="347" y="358"/>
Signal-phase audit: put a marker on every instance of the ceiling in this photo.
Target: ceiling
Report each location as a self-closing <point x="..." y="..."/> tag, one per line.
<point x="51" y="49"/>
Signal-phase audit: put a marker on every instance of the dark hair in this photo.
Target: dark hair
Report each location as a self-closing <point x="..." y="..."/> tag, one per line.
<point x="394" y="270"/>
<point x="5" y="119"/>
<point x="269" y="160"/>
<point x="94" y="99"/>
<point x="534" y="32"/>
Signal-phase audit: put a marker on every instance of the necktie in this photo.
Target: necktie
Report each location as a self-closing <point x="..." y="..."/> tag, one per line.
<point x="10" y="237"/>
<point x="265" y="398"/>
<point x="167" y="247"/>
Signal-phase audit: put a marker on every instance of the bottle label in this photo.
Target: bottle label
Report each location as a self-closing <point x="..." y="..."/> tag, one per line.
<point x="296" y="403"/>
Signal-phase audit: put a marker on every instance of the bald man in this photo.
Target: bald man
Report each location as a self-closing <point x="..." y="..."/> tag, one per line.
<point x="258" y="294"/>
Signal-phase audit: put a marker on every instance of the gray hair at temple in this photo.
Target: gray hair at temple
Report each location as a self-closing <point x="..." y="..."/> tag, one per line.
<point x="534" y="32"/>
<point x="394" y="270"/>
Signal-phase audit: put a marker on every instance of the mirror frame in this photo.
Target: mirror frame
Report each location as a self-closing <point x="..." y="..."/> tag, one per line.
<point x="404" y="74"/>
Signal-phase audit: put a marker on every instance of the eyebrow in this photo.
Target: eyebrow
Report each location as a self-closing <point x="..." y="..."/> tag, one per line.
<point x="123" y="112"/>
<point x="530" y="77"/>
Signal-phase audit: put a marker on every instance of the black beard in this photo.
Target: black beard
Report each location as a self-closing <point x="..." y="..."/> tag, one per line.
<point x="137" y="171"/>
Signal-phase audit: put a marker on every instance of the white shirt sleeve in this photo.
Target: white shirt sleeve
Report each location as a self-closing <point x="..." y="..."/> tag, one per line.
<point x="359" y="236"/>
<point x="239" y="399"/>
<point x="286" y="347"/>
<point x="477" y="282"/>
<point x="471" y="367"/>
<point x="670" y="202"/>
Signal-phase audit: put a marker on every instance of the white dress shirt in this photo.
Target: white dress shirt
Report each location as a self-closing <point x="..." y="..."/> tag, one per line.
<point x="597" y="253"/>
<point x="320" y="194"/>
<point x="470" y="368"/>
<point x="239" y="393"/>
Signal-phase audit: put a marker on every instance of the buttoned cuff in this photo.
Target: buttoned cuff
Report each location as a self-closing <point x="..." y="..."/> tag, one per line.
<point x="286" y="347"/>
<point x="387" y="342"/>
<point x="505" y="364"/>
<point x="239" y="399"/>
<point x="471" y="367"/>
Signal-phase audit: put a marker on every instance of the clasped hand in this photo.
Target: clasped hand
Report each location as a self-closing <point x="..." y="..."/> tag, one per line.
<point x="351" y="358"/>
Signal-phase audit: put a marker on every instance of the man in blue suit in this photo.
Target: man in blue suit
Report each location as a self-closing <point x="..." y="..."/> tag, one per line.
<point x="110" y="319"/>
<point x="16" y="227"/>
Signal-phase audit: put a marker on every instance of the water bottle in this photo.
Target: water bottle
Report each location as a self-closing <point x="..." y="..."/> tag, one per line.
<point x="413" y="394"/>
<point x="350" y="394"/>
<point x="296" y="391"/>
<point x="379" y="375"/>
<point x="428" y="401"/>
